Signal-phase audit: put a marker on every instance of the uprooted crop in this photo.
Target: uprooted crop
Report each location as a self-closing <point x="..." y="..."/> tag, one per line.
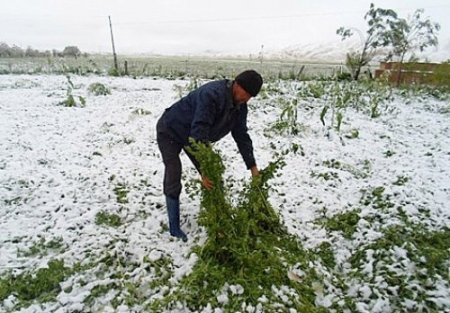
<point x="249" y="259"/>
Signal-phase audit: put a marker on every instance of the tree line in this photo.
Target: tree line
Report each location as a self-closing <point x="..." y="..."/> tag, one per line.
<point x="14" y="51"/>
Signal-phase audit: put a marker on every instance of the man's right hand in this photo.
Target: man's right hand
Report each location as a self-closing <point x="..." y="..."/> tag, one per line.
<point x="207" y="183"/>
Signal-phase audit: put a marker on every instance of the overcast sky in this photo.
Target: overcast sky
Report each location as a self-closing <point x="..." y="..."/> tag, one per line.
<point x="194" y="26"/>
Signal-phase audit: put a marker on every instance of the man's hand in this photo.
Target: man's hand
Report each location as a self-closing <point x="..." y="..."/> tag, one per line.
<point x="207" y="183"/>
<point x="255" y="171"/>
<point x="256" y="178"/>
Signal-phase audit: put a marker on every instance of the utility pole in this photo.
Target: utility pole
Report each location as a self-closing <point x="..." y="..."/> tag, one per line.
<point x="114" y="49"/>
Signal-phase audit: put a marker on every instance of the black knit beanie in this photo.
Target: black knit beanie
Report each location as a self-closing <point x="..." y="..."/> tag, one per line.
<point x="251" y="81"/>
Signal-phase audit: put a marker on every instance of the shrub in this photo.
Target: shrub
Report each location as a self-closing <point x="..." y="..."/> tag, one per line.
<point x="98" y="89"/>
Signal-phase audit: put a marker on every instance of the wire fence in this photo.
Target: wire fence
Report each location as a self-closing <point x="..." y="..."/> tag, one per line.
<point x="168" y="67"/>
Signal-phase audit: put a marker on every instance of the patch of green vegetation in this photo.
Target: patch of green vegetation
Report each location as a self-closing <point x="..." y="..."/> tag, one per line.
<point x="377" y="198"/>
<point x="297" y="148"/>
<point x="335" y="164"/>
<point x="42" y="247"/>
<point x="427" y="251"/>
<point x="122" y="285"/>
<point x="388" y="153"/>
<point x="99" y="291"/>
<point x="13" y="201"/>
<point x="401" y="180"/>
<point x="141" y="111"/>
<point x="126" y="141"/>
<point x="114" y="72"/>
<point x="182" y="90"/>
<point x="42" y="285"/>
<point x="445" y="110"/>
<point x="163" y="271"/>
<point x="346" y="223"/>
<point x="105" y="218"/>
<point x="71" y="100"/>
<point x="316" y="89"/>
<point x="354" y="133"/>
<point x="121" y="191"/>
<point x="247" y="246"/>
<point x="325" y="252"/>
<point x="287" y="122"/>
<point x="98" y="89"/>
<point x="130" y="295"/>
<point x="326" y="175"/>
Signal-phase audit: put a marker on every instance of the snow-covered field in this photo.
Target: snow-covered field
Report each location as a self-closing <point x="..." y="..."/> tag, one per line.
<point x="60" y="167"/>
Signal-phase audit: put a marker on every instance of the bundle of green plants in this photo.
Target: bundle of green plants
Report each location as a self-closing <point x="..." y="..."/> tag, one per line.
<point x="247" y="248"/>
<point x="42" y="285"/>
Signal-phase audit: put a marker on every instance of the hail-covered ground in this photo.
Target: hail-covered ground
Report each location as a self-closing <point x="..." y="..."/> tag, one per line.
<point x="83" y="185"/>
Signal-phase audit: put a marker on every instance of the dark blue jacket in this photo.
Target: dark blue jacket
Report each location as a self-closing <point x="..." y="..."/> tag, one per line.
<point x="207" y="114"/>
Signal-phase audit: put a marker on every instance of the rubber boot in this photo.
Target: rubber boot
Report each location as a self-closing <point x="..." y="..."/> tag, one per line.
<point x="173" y="209"/>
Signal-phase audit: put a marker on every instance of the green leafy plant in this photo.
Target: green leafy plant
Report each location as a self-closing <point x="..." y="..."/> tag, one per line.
<point x="114" y="72"/>
<point x="401" y="180"/>
<point x="340" y="96"/>
<point x="71" y="100"/>
<point x="354" y="133"/>
<point x="121" y="190"/>
<point x="339" y="118"/>
<point x="98" y="89"/>
<point x="316" y="89"/>
<point x="193" y="84"/>
<point x="287" y="123"/>
<point x="326" y="175"/>
<point x="323" y="113"/>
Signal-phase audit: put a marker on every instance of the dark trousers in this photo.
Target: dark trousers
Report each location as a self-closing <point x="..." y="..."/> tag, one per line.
<point x="170" y="152"/>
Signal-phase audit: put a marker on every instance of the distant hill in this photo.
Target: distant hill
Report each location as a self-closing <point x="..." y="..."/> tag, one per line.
<point x="328" y="52"/>
<point x="335" y="52"/>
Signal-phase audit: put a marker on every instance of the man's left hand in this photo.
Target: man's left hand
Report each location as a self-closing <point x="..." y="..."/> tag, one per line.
<point x="255" y="171"/>
<point x="207" y="183"/>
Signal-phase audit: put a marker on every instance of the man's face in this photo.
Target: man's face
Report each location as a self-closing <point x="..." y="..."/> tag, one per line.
<point x="240" y="95"/>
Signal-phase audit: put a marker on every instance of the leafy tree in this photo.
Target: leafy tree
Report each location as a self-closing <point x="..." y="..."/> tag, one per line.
<point x="407" y="36"/>
<point x="12" y="52"/>
<point x="379" y="22"/>
<point x="72" y="51"/>
<point x="30" y="52"/>
<point x="4" y="50"/>
<point x="17" y="52"/>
